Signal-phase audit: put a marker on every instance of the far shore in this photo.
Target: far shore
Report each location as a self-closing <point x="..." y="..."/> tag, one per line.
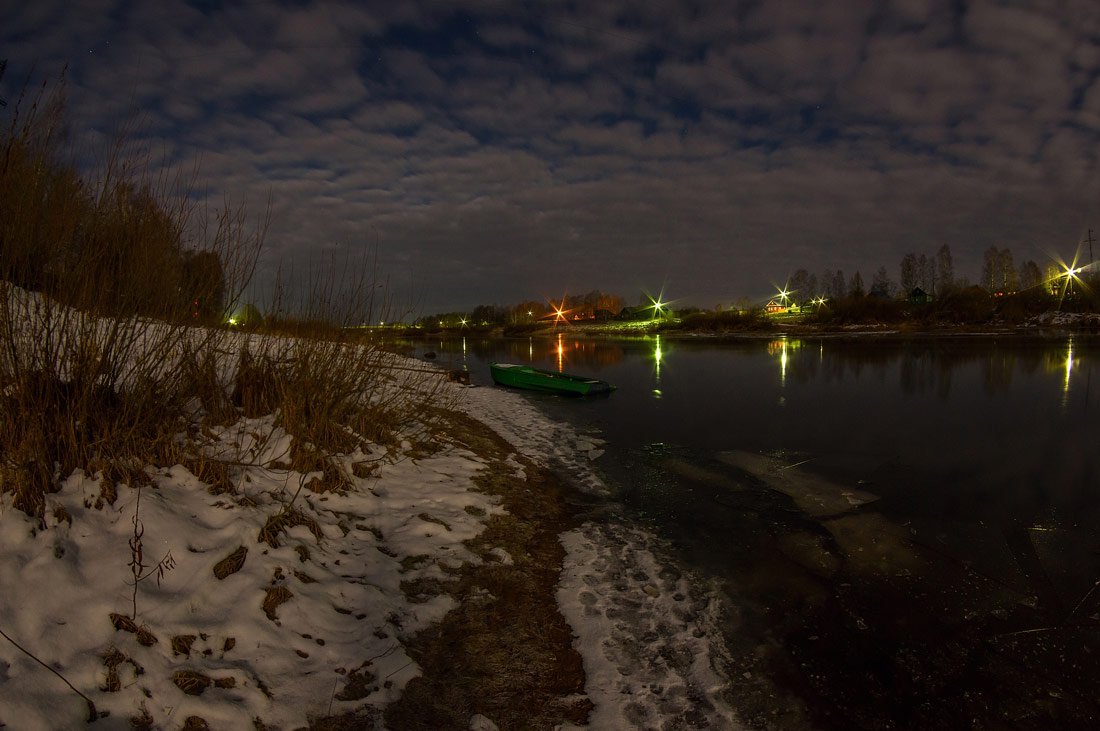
<point x="1058" y="325"/>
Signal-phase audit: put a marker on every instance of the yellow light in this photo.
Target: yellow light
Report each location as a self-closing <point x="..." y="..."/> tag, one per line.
<point x="232" y="321"/>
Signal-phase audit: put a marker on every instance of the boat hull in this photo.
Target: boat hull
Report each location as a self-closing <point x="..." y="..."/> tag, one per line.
<point x="536" y="379"/>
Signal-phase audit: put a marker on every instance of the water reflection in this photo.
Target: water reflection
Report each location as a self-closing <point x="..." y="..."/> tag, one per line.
<point x="657" y="356"/>
<point x="919" y="366"/>
<point x="1069" y="371"/>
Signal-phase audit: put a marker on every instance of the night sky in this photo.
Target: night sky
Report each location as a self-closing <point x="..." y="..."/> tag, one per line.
<point x="500" y="151"/>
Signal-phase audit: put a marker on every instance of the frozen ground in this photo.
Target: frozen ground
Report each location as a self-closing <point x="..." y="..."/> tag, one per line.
<point x="315" y="625"/>
<point x="648" y="633"/>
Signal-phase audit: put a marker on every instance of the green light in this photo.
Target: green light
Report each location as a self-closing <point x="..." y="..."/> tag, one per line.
<point x="232" y="321"/>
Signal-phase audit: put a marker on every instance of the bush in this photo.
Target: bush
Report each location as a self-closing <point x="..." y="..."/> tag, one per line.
<point x="969" y="306"/>
<point x="861" y="310"/>
<point x="725" y="321"/>
<point x="89" y="384"/>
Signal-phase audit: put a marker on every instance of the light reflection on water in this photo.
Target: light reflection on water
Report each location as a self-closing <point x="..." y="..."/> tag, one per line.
<point x="982" y="453"/>
<point x="967" y="424"/>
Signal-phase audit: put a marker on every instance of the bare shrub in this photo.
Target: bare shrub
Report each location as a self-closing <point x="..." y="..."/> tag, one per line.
<point x="93" y="322"/>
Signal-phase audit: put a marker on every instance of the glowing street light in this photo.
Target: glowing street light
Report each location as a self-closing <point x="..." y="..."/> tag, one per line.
<point x="659" y="306"/>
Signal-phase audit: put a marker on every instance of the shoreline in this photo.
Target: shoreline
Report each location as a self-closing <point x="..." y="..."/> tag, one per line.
<point x="426" y="593"/>
<point x="1082" y="325"/>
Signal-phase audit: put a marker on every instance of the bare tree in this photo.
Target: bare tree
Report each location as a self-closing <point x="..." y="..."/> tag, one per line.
<point x="945" y="267"/>
<point x="855" y="287"/>
<point x="881" y="284"/>
<point x="799" y="286"/>
<point x="991" y="259"/>
<point x="909" y="273"/>
<point x="1030" y="275"/>
<point x="1009" y="282"/>
<point x="836" y="289"/>
<point x="926" y="273"/>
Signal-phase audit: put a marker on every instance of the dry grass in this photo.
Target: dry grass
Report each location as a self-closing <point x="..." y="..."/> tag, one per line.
<point x="97" y="282"/>
<point x="103" y="370"/>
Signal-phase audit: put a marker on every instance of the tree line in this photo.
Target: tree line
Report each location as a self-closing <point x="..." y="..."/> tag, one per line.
<point x="933" y="275"/>
<point x="590" y="306"/>
<point x="114" y="241"/>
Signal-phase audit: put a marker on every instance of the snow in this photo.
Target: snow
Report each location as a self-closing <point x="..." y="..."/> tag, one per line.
<point x="649" y="636"/>
<point x="646" y="631"/>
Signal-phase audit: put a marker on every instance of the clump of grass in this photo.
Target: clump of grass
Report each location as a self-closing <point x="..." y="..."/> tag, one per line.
<point x="285" y="519"/>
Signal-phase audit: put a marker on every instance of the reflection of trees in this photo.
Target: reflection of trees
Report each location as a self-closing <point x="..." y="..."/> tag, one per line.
<point x="997" y="370"/>
<point x="922" y="365"/>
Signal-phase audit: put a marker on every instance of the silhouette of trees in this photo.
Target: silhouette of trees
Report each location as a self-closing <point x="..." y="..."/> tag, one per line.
<point x="998" y="271"/>
<point x="1030" y="275"/>
<point x="945" y="268"/>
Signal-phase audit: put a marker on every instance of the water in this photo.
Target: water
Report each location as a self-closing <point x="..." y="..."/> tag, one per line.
<point x="960" y="594"/>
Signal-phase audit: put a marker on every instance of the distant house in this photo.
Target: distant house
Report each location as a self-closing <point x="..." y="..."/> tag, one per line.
<point x="919" y="297"/>
<point x="642" y="312"/>
<point x="773" y="307"/>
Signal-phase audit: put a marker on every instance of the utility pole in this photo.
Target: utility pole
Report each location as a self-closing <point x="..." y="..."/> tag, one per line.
<point x="1090" y="246"/>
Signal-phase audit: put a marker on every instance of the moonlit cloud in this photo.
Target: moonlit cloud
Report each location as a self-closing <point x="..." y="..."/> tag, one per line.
<point x="502" y="152"/>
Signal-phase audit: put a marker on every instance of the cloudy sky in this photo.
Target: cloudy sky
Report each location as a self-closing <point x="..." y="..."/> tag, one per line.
<point x="503" y="150"/>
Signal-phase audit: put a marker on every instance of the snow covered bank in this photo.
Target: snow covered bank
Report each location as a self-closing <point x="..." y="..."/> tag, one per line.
<point x="283" y="601"/>
<point x="308" y="627"/>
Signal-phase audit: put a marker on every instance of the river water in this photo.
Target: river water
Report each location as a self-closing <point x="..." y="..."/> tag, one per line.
<point x="908" y="527"/>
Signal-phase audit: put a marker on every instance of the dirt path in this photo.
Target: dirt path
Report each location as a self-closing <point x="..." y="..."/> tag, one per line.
<point x="505" y="652"/>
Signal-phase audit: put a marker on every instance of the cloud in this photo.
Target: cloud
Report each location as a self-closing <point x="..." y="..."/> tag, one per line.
<point x="719" y="146"/>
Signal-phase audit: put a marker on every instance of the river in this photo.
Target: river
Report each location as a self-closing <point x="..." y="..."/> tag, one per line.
<point x="909" y="527"/>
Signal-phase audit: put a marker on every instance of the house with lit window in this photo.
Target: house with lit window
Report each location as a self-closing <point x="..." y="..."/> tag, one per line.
<point x="774" y="307"/>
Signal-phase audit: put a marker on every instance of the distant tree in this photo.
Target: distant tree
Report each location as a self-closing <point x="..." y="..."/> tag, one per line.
<point x="881" y="284"/>
<point x="824" y="283"/>
<point x="488" y="315"/>
<point x="926" y="275"/>
<point x="945" y="267"/>
<point x="855" y="287"/>
<point x="1009" y="282"/>
<point x="530" y="310"/>
<point x="799" y="286"/>
<point x="1030" y="275"/>
<point x="1051" y="275"/>
<point x="991" y="258"/>
<point x="998" y="271"/>
<point x="248" y="315"/>
<point x="909" y="273"/>
<point x="837" y="288"/>
<point x="202" y="285"/>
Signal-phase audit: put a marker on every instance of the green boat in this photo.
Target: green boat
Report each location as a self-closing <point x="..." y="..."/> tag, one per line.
<point x="536" y="379"/>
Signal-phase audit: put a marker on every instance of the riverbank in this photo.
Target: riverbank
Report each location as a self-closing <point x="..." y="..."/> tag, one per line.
<point x="426" y="592"/>
<point x="1045" y="324"/>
